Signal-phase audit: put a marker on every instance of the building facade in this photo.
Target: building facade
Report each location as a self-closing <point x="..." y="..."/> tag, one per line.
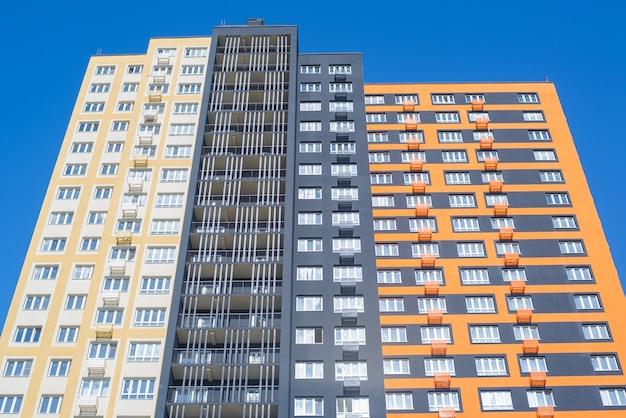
<point x="236" y="229"/>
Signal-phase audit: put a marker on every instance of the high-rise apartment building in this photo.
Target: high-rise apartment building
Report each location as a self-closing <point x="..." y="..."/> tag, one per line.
<point x="234" y="229"/>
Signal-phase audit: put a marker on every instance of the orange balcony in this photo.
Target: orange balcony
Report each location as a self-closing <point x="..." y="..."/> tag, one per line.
<point x="505" y="234"/>
<point x="511" y="259"/>
<point x="410" y="124"/>
<point x="428" y="260"/>
<point x="424" y="234"/>
<point x="408" y="106"/>
<point x="500" y="209"/>
<point x="431" y="287"/>
<point x="413" y="144"/>
<point x="495" y="186"/>
<point x="438" y="347"/>
<point x="477" y="105"/>
<point x="524" y="316"/>
<point x="545" y="412"/>
<point x="419" y="186"/>
<point x="447" y="413"/>
<point x="486" y="143"/>
<point x="435" y="316"/>
<point x="491" y="164"/>
<point x="530" y="347"/>
<point x="482" y="124"/>
<point x="517" y="287"/>
<point x="537" y="379"/>
<point x="421" y="209"/>
<point x="442" y="380"/>
<point x="416" y="164"/>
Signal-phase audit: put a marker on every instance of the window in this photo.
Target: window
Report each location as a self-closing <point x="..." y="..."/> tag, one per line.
<point x="310" y="245"/>
<point x="450" y="136"/>
<point x="348" y="407"/>
<point x="454" y="156"/>
<point x="430" y="334"/>
<point x="173" y="175"/>
<point x="310" y="147"/>
<point x="17" y="368"/>
<point x="178" y="129"/>
<point x="138" y="388"/>
<point x="462" y="201"/>
<point x="347" y="273"/>
<point x="492" y="176"/>
<point x="27" y="334"/>
<point x="564" y="222"/>
<point x="507" y="247"/>
<point x="50" y="404"/>
<point x="308" y="407"/>
<point x="93" y="107"/>
<point x="412" y="201"/>
<point x="447" y="117"/>
<point x="352" y="245"/>
<point x="496" y="400"/>
<point x="407" y="157"/>
<point x="484" y="334"/>
<point x="149" y="129"/>
<point x="526" y="332"/>
<point x="88" y="126"/>
<point x="309" y="193"/>
<point x="105" y="69"/>
<point x="458" y="178"/>
<point x="404" y="137"/>
<point x="149" y="318"/>
<point x="533" y="116"/>
<point x="604" y="363"/>
<point x="340" y="87"/>
<point x="189" y="89"/>
<point x="90" y="244"/>
<point x="130" y="87"/>
<point x="578" y="273"/>
<point x="374" y="100"/>
<point x="195" y="52"/>
<point x="75" y="302"/>
<point x="438" y="400"/>
<point x="144" y="351"/>
<point x="343" y="126"/>
<point x="192" y="70"/>
<point x="469" y="98"/>
<point x="75" y="170"/>
<point x="596" y="332"/>
<point x="340" y="69"/>
<point x="480" y="304"/>
<point x="309" y="335"/>
<point x="519" y="302"/>
<point x="59" y="368"/>
<point x="379" y="157"/>
<point x="396" y="366"/>
<point x="160" y="254"/>
<point x="169" y="200"/>
<point x="310" y="169"/>
<point x="340" y="107"/>
<point x="96" y="218"/>
<point x="465" y="224"/>
<point x="388" y="276"/>
<point x="474" y="116"/>
<point x="407" y="118"/>
<point x="99" y="88"/>
<point x="310" y="106"/>
<point x="114" y="147"/>
<point x="426" y="304"/>
<point x="528" y="98"/>
<point x="155" y="285"/>
<point x="384" y="225"/>
<point x="310" y="87"/>
<point x="185" y="108"/>
<point x="613" y="397"/>
<point x="119" y="125"/>
<point x="115" y="284"/>
<point x="513" y="274"/>
<point x="551" y="176"/>
<point x="67" y="335"/>
<point x="313" y="126"/>
<point x="348" y="303"/>
<point x="377" y="137"/>
<point x="557" y="198"/>
<point x="376" y="117"/>
<point x="102" y="350"/>
<point x="309" y="370"/>
<point x="483" y="135"/>
<point x="544" y="155"/>
<point x="483" y="155"/>
<point x="442" y="98"/>
<point x="165" y="227"/>
<point x="401" y="98"/>
<point x="82" y="272"/>
<point x="310" y="69"/>
<point x="540" y="398"/>
<point x="418" y="250"/>
<point x="314" y="273"/>
<point x="416" y="224"/>
<point x="571" y="247"/>
<point x="382" y="201"/>
<point x="349" y="336"/>
<point x="10" y="404"/>
<point x="309" y="218"/>
<point x="177" y="151"/>
<point x="126" y="254"/>
<point x="391" y="304"/>
<point x="61" y="218"/>
<point x="539" y="135"/>
<point x="134" y="69"/>
<point x="470" y="249"/>
<point x="585" y="302"/>
<point x="53" y="244"/>
<point x="309" y="303"/>
<point x="492" y="199"/>
<point x="497" y="223"/>
<point x="410" y="178"/>
<point x="423" y="276"/>
<point x="491" y="366"/>
<point x="68" y="193"/>
<point x="381" y="178"/>
<point x="109" y="316"/>
<point x="533" y="364"/>
<point x="474" y="276"/>
<point x="399" y="401"/>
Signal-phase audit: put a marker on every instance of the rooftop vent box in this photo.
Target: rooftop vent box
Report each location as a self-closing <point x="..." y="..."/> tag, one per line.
<point x="254" y="22"/>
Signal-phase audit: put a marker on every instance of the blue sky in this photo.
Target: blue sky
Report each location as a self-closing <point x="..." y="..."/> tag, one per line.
<point x="579" y="46"/>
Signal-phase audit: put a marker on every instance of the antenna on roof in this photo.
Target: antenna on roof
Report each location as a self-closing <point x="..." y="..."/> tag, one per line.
<point x="99" y="51"/>
<point x="547" y="78"/>
<point x="223" y="22"/>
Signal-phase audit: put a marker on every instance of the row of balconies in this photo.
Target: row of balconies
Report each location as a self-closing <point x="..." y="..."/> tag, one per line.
<point x="235" y="227"/>
<point x="250" y="394"/>
<point x="250" y="150"/>
<point x="245" y="127"/>
<point x="230" y="256"/>
<point x="235" y="287"/>
<point x="271" y="174"/>
<point x="250" y="200"/>
<point x="229" y="320"/>
<point x="226" y="356"/>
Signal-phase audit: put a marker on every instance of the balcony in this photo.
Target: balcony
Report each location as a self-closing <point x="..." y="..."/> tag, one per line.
<point x="227" y="175"/>
<point x="431" y="288"/>
<point x="421" y="210"/>
<point x="495" y="186"/>
<point x="438" y="347"/>
<point x="505" y="234"/>
<point x="88" y="405"/>
<point x="537" y="379"/>
<point x="240" y="200"/>
<point x="117" y="267"/>
<point x="185" y="357"/>
<point x="424" y="234"/>
<point x="145" y="139"/>
<point x="413" y="144"/>
<point x="235" y="287"/>
<point x="435" y="316"/>
<point x="129" y="211"/>
<point x="150" y="115"/>
<point x="418" y="187"/>
<point x="408" y="106"/>
<point x="490" y="164"/>
<point x="158" y="79"/>
<point x="517" y="287"/>
<point x="163" y="59"/>
<point x="523" y="316"/>
<point x="447" y="413"/>
<point x="140" y="161"/>
<point x="111" y="298"/>
<point x="104" y="331"/>
<point x="428" y="261"/>
<point x="410" y="124"/>
<point x="545" y="412"/>
<point x="208" y="395"/>
<point x="135" y="185"/>
<point x="155" y="97"/>
<point x="233" y="320"/>
<point x="228" y="256"/>
<point x="500" y="209"/>
<point x="478" y="105"/>
<point x="530" y="347"/>
<point x="442" y="380"/>
<point x="482" y="124"/>
<point x="511" y="260"/>
<point x="124" y="237"/>
<point x="486" y="143"/>
<point x="96" y="367"/>
<point x="416" y="164"/>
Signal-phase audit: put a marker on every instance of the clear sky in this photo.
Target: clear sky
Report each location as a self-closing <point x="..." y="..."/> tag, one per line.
<point x="580" y="46"/>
